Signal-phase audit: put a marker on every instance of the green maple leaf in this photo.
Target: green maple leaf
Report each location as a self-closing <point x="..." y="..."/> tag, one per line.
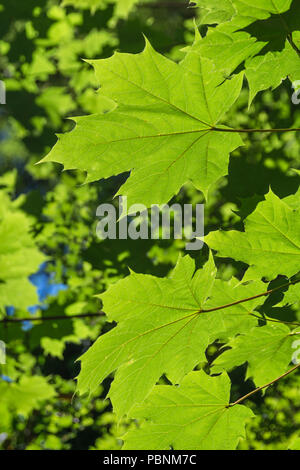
<point x="226" y="50"/>
<point x="267" y="349"/>
<point x="193" y="416"/>
<point x="163" y="128"/>
<point x="162" y="330"/>
<point x="270" y="243"/>
<point x="215" y="11"/>
<point x="268" y="71"/>
<point x="275" y="24"/>
<point x="158" y="332"/>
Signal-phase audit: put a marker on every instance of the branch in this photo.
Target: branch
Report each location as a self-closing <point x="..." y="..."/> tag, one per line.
<point x="218" y="129"/>
<point x="268" y="292"/>
<point x="57" y="317"/>
<point x="90" y="315"/>
<point x="263" y="386"/>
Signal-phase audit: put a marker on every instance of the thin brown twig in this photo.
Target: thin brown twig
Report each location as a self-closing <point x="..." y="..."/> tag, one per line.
<point x="258" y="389"/>
<point x="55" y="317"/>
<point x="219" y="129"/>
